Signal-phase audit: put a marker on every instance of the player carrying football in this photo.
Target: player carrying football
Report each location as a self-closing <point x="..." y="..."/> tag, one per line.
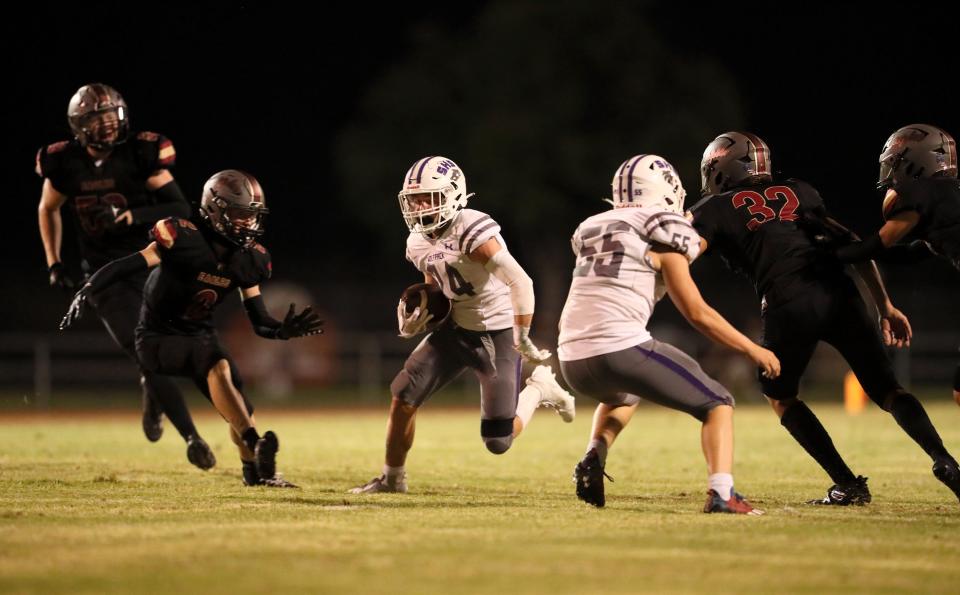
<point x="487" y="331"/>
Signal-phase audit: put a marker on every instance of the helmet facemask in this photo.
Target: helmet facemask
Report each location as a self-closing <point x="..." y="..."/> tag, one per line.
<point x="433" y="194"/>
<point x="917" y="151"/>
<point x="233" y="206"/>
<point x="98" y="117"/>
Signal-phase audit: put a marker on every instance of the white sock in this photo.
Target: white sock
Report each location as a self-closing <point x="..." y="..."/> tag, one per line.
<point x="527" y="403"/>
<point x="393" y="472"/>
<point x="721" y="483"/>
<point x="601" y="447"/>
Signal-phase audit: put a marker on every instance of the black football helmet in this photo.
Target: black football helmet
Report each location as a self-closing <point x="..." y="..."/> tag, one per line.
<point x="98" y="116"/>
<point x="917" y="151"/>
<point x="734" y="159"/>
<point x="233" y="205"/>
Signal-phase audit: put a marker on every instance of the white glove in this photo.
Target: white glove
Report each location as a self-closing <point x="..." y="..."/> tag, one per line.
<point x="526" y="348"/>
<point x="413" y="324"/>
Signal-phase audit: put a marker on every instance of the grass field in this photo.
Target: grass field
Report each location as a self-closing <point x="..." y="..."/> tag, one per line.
<point x="88" y="506"/>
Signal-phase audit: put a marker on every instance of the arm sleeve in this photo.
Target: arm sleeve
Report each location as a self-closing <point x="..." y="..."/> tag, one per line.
<point x="264" y="325"/>
<point x="505" y="267"/>
<point x="868" y="249"/>
<point x="115" y="270"/>
<point x="170" y="203"/>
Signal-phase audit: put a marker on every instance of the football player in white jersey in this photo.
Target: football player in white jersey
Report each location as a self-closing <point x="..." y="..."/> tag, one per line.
<point x="487" y="331"/>
<point x="627" y="258"/>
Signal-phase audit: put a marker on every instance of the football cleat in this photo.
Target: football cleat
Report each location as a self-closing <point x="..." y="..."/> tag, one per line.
<point x="588" y="475"/>
<point x="948" y="472"/>
<point x="199" y="453"/>
<point x="552" y="394"/>
<point x="855" y="492"/>
<point x="251" y="478"/>
<point x="266" y="454"/>
<point x="383" y="484"/>
<point x="737" y="504"/>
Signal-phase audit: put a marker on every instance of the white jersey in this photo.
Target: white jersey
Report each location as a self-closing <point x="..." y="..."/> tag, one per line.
<point x="481" y="302"/>
<point x="614" y="288"/>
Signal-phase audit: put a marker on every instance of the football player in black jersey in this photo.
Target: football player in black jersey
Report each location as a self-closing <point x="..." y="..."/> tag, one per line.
<point x="199" y="265"/>
<point x="921" y="205"/>
<point x="116" y="185"/>
<point x="769" y="229"/>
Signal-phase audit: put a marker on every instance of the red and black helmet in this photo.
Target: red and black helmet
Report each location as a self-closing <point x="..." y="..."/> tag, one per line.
<point x="734" y="159"/>
<point x="233" y="205"/>
<point x="917" y="151"/>
<point x="98" y="116"/>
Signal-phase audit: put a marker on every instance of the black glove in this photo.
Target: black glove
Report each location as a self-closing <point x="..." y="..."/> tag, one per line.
<point x="59" y="277"/>
<point x="300" y="325"/>
<point x="75" y="311"/>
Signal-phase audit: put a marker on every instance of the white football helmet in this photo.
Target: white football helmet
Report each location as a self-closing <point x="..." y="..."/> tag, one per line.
<point x="443" y="181"/>
<point x="647" y="181"/>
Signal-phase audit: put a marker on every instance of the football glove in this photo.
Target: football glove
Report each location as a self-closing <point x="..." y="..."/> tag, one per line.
<point x="59" y="277"/>
<point x="304" y="324"/>
<point x="413" y="324"/>
<point x="526" y="348"/>
<point x="75" y="311"/>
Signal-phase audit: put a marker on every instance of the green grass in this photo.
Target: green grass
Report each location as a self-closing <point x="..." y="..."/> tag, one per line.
<point x="88" y="506"/>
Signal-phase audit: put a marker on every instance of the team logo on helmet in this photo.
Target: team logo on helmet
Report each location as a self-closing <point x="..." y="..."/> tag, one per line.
<point x="433" y="194"/>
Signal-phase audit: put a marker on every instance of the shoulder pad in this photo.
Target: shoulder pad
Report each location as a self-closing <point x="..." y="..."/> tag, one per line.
<point x="156" y="150"/>
<point x="166" y="231"/>
<point x="476" y="228"/>
<point x="673" y="231"/>
<point x="46" y="163"/>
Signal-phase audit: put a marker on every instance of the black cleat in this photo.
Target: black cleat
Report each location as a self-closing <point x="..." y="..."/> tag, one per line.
<point x="199" y="453"/>
<point x="252" y="478"/>
<point x="588" y="475"/>
<point x="946" y="470"/>
<point x="266" y="453"/>
<point x="152" y="419"/>
<point x="855" y="492"/>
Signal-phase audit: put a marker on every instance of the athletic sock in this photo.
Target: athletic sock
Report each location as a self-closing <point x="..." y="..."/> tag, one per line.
<point x="601" y="447"/>
<point x="527" y="403"/>
<point x="722" y="484"/>
<point x="909" y="413"/>
<point x="807" y="430"/>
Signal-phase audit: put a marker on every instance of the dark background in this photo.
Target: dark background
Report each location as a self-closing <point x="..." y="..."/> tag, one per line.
<point x="538" y="103"/>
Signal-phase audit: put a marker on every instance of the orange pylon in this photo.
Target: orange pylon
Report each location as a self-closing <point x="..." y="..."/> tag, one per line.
<point x="854" y="397"/>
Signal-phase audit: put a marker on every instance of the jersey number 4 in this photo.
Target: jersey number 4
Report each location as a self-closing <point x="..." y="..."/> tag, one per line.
<point x="758" y="205"/>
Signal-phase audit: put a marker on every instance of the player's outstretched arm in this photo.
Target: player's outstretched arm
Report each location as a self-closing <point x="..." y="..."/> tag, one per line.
<point x="293" y="325"/>
<point x="686" y="296"/>
<point x="502" y="265"/>
<point x="894" y="230"/>
<point x="106" y="276"/>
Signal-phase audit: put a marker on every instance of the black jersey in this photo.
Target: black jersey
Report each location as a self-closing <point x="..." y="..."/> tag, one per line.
<point x="198" y="269"/>
<point x="762" y="231"/>
<point x="118" y="181"/>
<point x="937" y="201"/>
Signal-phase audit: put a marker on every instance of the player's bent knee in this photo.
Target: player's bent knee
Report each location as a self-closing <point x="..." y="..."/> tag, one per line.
<point x="497" y="434"/>
<point x="498" y="446"/>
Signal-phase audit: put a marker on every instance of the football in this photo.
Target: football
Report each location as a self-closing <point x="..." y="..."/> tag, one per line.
<point x="427" y="296"/>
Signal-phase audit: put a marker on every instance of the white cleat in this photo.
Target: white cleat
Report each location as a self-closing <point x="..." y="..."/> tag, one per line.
<point x="551" y="393"/>
<point x="383" y="484"/>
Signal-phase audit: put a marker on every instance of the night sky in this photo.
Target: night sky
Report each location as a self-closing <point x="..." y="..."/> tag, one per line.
<point x="258" y="87"/>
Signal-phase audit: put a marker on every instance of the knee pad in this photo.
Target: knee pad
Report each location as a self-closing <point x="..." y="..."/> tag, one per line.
<point x="497" y="434"/>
